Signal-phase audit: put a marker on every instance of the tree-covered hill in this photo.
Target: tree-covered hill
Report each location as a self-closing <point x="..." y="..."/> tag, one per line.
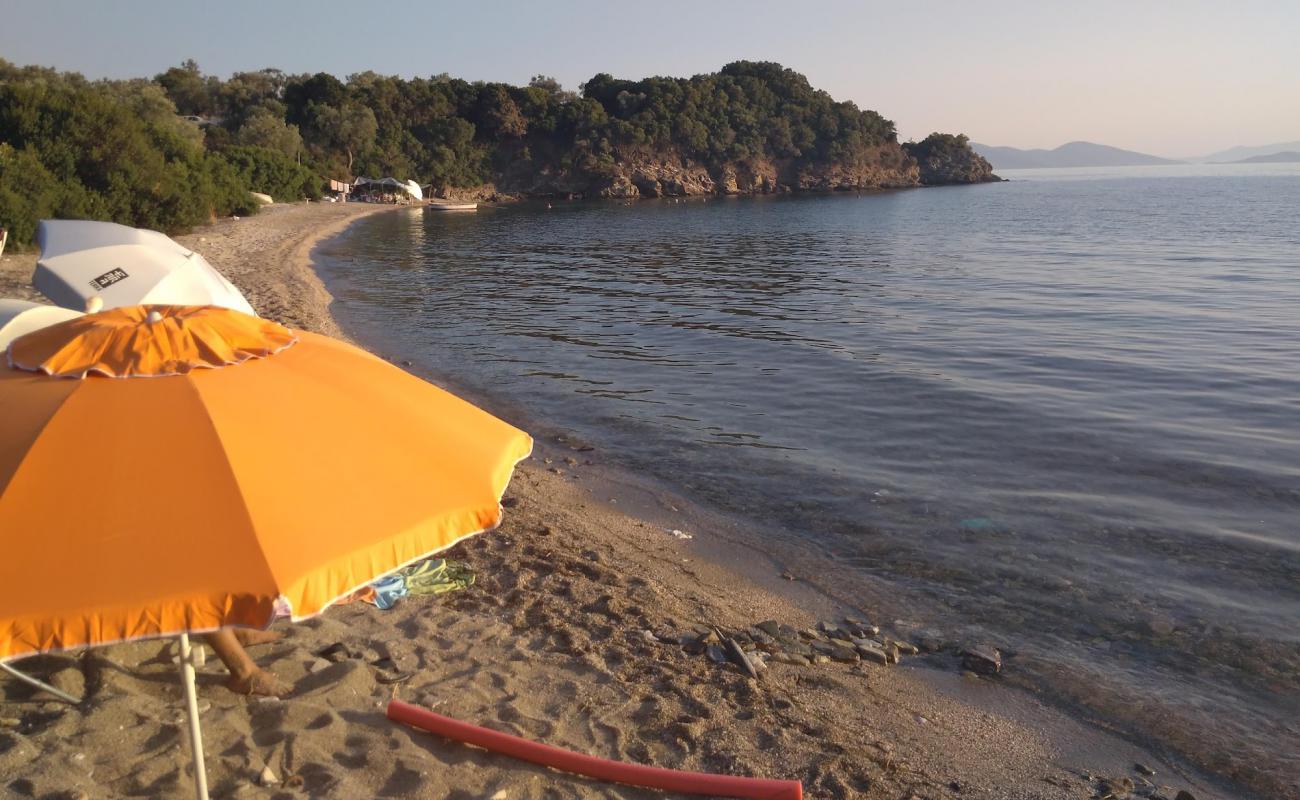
<point x="173" y="151"/>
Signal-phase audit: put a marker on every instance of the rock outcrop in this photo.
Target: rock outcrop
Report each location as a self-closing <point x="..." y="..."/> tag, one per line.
<point x="947" y="159"/>
<point x="661" y="174"/>
<point x="649" y="173"/>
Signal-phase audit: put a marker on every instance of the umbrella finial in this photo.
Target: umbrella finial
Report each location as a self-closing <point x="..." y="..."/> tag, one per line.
<point x="154" y="318"/>
<point x="94" y="304"/>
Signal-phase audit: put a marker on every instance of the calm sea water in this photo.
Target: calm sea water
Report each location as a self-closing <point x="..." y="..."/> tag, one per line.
<point x="1061" y="414"/>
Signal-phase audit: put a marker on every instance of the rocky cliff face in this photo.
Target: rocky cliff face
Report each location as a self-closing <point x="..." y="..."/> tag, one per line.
<point x="644" y="173"/>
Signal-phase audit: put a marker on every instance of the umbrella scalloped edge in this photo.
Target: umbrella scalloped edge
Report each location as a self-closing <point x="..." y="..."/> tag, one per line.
<point x="270" y="614"/>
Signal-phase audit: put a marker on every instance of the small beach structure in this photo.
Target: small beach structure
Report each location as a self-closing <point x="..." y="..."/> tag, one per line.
<point x="125" y="266"/>
<point x="387" y="190"/>
<point x="339" y="190"/>
<point x="181" y="469"/>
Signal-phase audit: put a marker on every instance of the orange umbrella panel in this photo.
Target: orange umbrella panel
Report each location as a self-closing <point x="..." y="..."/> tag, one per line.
<point x="195" y="498"/>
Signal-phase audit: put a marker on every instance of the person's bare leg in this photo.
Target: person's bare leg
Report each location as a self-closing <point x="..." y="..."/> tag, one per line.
<point x="245" y="676"/>
<point x="252" y="638"/>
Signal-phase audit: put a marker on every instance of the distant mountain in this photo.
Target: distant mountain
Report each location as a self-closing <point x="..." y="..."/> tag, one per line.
<point x="1243" y="153"/>
<point x="1284" y="157"/>
<point x="1073" y="154"/>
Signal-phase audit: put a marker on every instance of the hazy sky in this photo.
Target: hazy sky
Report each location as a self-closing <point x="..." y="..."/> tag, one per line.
<point x="1172" y="78"/>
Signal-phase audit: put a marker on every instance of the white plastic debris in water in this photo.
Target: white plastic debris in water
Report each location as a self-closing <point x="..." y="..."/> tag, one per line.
<point x="681" y="534"/>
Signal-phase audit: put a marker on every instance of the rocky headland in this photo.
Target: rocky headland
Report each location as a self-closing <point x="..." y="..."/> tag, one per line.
<point x="645" y="173"/>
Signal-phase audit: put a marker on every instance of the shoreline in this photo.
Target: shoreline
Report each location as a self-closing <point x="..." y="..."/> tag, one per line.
<point x="551" y="643"/>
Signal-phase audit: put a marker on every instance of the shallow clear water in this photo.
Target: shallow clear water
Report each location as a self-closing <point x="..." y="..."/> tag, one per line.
<point x="1061" y="413"/>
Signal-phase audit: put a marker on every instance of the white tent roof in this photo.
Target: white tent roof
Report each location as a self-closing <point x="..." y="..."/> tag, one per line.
<point x="410" y="187"/>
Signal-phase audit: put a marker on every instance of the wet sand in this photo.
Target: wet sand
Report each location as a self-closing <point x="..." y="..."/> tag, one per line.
<point x="561" y="638"/>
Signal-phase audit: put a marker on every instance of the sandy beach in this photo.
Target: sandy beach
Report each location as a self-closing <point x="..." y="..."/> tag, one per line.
<point x="572" y="634"/>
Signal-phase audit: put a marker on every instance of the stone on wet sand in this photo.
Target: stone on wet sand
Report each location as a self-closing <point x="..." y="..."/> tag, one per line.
<point x="741" y="660"/>
<point x="862" y="628"/>
<point x="797" y="648"/>
<point x="982" y="660"/>
<point x="790" y="658"/>
<point x="873" y="654"/>
<point x="843" y="654"/>
<point x="771" y="627"/>
<point x="906" y="648"/>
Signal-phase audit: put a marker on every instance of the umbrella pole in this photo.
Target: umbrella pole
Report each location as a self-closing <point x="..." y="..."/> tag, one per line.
<point x="39" y="684"/>
<point x="192" y="702"/>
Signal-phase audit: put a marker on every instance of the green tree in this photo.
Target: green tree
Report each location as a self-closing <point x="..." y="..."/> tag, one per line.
<point x="262" y="169"/>
<point x="188" y="89"/>
<point x="264" y="128"/>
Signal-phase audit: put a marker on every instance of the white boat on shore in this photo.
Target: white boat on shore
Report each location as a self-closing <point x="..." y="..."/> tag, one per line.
<point x="441" y="206"/>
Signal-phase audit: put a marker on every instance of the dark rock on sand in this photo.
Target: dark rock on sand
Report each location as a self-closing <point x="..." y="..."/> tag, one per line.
<point x="790" y="658"/>
<point x="905" y="648"/>
<point x="741" y="660"/>
<point x="844" y="654"/>
<point x="874" y="655"/>
<point x="797" y="648"/>
<point x="982" y="660"/>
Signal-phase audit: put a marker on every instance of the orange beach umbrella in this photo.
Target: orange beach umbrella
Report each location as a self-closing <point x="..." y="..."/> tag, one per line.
<point x="182" y="468"/>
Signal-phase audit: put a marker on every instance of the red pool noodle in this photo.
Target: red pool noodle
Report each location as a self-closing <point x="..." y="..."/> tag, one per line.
<point x="602" y="769"/>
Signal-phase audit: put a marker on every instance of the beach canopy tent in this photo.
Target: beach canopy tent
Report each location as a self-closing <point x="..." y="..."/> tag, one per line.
<point x="184" y="468"/>
<point x="20" y="317"/>
<point x="388" y="185"/>
<point x="125" y="266"/>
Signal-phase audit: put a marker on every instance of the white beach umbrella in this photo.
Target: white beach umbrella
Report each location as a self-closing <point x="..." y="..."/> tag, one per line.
<point x="125" y="267"/>
<point x="19" y="317"/>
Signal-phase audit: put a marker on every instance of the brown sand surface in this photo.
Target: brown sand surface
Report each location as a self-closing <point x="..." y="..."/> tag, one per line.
<point x="555" y="641"/>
